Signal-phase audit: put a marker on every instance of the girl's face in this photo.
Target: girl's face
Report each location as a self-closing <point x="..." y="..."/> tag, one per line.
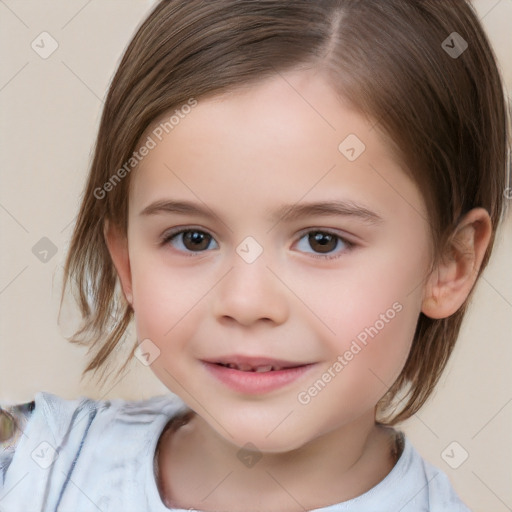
<point x="275" y="224"/>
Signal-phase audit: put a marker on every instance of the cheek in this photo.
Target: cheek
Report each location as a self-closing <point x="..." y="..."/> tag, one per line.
<point x="167" y="302"/>
<point x="374" y="357"/>
<point x="366" y="356"/>
<point x="351" y="301"/>
<point x="168" y="308"/>
<point x="371" y="313"/>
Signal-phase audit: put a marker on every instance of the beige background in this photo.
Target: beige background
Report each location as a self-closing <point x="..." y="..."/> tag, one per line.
<point x="50" y="113"/>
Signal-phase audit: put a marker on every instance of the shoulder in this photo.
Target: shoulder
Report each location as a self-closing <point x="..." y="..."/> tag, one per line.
<point x="437" y="491"/>
<point x="412" y="485"/>
<point x="103" y="444"/>
<point x="48" y="410"/>
<point x="50" y="420"/>
<point x="58" y="412"/>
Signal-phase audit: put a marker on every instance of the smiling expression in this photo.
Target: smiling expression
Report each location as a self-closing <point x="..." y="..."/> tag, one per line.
<point x="258" y="242"/>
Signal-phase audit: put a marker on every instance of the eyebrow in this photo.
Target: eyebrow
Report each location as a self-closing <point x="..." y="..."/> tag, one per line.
<point x="283" y="213"/>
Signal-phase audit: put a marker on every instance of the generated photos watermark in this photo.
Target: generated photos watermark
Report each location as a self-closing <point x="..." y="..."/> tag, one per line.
<point x="152" y="140"/>
<point x="356" y="346"/>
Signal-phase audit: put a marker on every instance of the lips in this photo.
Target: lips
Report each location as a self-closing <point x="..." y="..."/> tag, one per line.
<point x="256" y="375"/>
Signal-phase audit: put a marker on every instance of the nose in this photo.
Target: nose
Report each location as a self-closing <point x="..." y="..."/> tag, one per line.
<point x="250" y="294"/>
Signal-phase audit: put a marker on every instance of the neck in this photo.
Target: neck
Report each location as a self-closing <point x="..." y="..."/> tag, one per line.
<point x="202" y="470"/>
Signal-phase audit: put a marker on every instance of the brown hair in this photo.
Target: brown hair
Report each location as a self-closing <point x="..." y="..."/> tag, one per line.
<point x="446" y="115"/>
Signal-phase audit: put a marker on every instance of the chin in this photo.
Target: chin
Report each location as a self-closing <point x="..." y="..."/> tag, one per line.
<point x="286" y="440"/>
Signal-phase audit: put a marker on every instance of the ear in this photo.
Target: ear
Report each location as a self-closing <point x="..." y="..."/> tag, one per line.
<point x="118" y="248"/>
<point x="451" y="281"/>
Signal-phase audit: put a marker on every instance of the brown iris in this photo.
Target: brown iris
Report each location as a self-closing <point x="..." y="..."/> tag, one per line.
<point x="322" y="242"/>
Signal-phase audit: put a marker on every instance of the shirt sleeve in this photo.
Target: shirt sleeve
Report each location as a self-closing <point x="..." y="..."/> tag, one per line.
<point x="13" y="421"/>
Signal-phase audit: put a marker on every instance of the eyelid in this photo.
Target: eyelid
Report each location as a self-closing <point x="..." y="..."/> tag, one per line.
<point x="346" y="237"/>
<point x="185" y="227"/>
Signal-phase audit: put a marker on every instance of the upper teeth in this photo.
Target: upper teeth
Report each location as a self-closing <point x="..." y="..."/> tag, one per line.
<point x="249" y="368"/>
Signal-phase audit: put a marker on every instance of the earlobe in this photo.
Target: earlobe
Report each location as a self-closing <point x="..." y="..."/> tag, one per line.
<point x="452" y="280"/>
<point x="117" y="245"/>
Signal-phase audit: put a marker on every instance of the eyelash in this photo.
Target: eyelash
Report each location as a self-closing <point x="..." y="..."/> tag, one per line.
<point x="170" y="235"/>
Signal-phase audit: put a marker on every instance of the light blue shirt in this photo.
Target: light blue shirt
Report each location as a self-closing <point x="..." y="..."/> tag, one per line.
<point x="85" y="455"/>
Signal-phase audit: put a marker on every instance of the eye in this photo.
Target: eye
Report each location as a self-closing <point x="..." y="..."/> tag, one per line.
<point x="323" y="244"/>
<point x="189" y="240"/>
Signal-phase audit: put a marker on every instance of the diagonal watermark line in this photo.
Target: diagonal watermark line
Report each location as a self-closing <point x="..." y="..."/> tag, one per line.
<point x="491" y="9"/>
<point x="300" y="300"/>
<point x="81" y="490"/>
<point x="5" y="5"/>
<point x="14" y="486"/>
<point x="425" y="425"/>
<point x="400" y="195"/>
<point x="299" y="94"/>
<point x="297" y="202"/>
<point x="508" y="508"/>
<point x="75" y="15"/>
<point x="14" y="218"/>
<point x="378" y="378"/>
<point x="423" y="282"/>
<point x="69" y="224"/>
<point x="102" y="101"/>
<point x="199" y="300"/>
<point x="199" y="199"/>
<point x="497" y="291"/>
<point x="216" y="487"/>
<point x="412" y="497"/>
<point x="14" y="76"/>
<point x="387" y="387"/>
<point x="286" y="490"/>
<point x="503" y="407"/>
<point x="195" y="399"/>
<point x="281" y="422"/>
<point x="12" y="280"/>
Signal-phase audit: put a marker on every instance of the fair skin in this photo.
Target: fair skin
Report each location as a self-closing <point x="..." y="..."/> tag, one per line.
<point x="242" y="156"/>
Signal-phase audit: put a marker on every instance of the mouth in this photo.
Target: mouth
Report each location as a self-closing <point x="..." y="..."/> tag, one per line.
<point x="256" y="369"/>
<point x="252" y="364"/>
<point x="250" y="375"/>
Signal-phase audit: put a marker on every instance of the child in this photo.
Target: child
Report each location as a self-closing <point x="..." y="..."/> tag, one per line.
<point x="296" y="199"/>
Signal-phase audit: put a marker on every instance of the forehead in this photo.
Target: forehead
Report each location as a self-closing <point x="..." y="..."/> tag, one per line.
<point x="283" y="138"/>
